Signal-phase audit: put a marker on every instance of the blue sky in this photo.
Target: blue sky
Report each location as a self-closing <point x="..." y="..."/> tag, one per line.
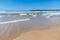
<point x="29" y="4"/>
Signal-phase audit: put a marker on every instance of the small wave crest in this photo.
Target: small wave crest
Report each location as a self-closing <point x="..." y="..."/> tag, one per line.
<point x="15" y="21"/>
<point x="1" y="16"/>
<point x="48" y="15"/>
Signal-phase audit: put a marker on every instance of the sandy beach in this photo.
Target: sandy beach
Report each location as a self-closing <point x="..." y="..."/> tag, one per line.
<point x="37" y="28"/>
<point x="47" y="30"/>
<point x="46" y="34"/>
<point x="32" y="33"/>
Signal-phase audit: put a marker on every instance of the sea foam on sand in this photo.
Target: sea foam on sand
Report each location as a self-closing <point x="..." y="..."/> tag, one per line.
<point x="15" y="21"/>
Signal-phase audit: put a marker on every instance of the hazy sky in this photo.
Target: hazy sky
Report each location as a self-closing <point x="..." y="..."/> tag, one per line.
<point x="29" y="4"/>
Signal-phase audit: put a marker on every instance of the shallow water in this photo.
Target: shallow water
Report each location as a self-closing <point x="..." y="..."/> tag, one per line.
<point x="12" y="30"/>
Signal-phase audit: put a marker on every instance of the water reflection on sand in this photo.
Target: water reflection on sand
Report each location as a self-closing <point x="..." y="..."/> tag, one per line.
<point x="13" y="30"/>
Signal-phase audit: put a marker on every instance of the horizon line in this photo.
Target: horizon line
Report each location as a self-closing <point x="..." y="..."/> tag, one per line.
<point x="34" y="10"/>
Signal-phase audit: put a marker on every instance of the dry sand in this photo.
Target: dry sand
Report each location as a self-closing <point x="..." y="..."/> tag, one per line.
<point x="46" y="34"/>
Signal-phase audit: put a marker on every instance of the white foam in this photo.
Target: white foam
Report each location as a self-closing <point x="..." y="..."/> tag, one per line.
<point x="15" y="21"/>
<point x="34" y="15"/>
<point x="1" y="16"/>
<point x="48" y="15"/>
<point x="23" y="14"/>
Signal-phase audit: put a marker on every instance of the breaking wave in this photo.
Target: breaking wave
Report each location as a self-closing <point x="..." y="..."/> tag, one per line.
<point x="1" y="16"/>
<point x="48" y="15"/>
<point x="13" y="21"/>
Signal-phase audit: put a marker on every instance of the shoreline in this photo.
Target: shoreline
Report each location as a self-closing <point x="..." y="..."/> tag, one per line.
<point x="37" y="26"/>
<point x="46" y="34"/>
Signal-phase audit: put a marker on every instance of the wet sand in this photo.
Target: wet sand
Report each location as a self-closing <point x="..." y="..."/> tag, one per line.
<point x="46" y="34"/>
<point x="33" y="34"/>
<point x="35" y="29"/>
<point x="47" y="30"/>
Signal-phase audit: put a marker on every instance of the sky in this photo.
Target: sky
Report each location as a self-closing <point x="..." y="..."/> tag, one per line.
<point x="29" y="4"/>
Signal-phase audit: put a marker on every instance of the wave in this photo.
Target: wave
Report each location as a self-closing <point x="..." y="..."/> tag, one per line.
<point x="48" y="15"/>
<point x="15" y="21"/>
<point x="1" y="16"/>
